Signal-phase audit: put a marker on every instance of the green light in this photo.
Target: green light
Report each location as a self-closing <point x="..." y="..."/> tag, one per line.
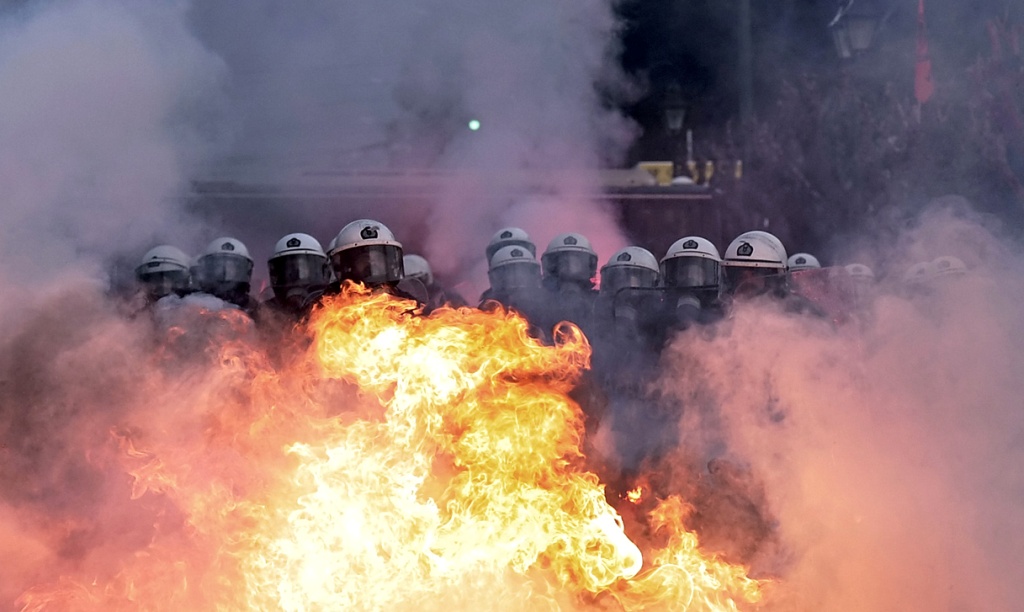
<point x="474" y="124"/>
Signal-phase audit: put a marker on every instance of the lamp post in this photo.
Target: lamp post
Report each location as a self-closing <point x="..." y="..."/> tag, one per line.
<point x="854" y="26"/>
<point x="674" y="108"/>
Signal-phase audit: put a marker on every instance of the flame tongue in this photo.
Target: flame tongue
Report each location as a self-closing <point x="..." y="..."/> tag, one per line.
<point x="466" y="489"/>
<point x="513" y="496"/>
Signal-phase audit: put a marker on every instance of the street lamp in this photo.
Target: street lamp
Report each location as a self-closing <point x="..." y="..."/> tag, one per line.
<point x="674" y="106"/>
<point x="853" y="28"/>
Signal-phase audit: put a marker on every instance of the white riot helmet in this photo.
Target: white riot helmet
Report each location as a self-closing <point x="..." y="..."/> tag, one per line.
<point x="862" y="281"/>
<point x="569" y="258"/>
<point x="753" y="258"/>
<point x="225" y="269"/>
<point x="418" y="267"/>
<point x="298" y="267"/>
<point x="948" y="265"/>
<point x="802" y="261"/>
<point x="510" y="236"/>
<point x="631" y="267"/>
<point x="860" y="272"/>
<point x="692" y="263"/>
<point x="513" y="268"/>
<point x="366" y="251"/>
<point x="164" y="270"/>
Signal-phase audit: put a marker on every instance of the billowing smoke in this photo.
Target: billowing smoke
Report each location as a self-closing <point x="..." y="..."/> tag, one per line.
<point x="870" y="465"/>
<point x="101" y="116"/>
<point x="327" y="87"/>
<point x="105" y="108"/>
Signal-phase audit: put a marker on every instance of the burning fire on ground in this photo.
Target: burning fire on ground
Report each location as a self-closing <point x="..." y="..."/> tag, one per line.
<point x="400" y="462"/>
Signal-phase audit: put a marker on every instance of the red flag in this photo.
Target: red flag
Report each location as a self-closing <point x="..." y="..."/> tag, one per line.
<point x="923" y="85"/>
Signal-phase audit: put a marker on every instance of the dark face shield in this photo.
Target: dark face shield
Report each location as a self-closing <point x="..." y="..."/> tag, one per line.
<point x="297" y="276"/>
<point x="224" y="275"/>
<point x="573" y="266"/>
<point x="749" y="282"/>
<point x="371" y="265"/>
<point x="616" y="278"/>
<point x="515" y="277"/>
<point x="225" y="268"/>
<point x="691" y="273"/>
<point x="162" y="284"/>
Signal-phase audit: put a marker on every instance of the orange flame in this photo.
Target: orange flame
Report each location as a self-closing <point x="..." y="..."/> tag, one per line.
<point x="405" y="462"/>
<point x="635" y="495"/>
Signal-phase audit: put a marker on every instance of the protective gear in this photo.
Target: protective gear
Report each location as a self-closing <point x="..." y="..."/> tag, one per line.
<point x="419" y="268"/>
<point x="298" y="269"/>
<point x="225" y="270"/>
<point x="630" y="267"/>
<point x="753" y="262"/>
<point x="164" y="270"/>
<point x="569" y="259"/>
<point x="948" y="265"/>
<point x="802" y="261"/>
<point x="861" y="284"/>
<point x="756" y="249"/>
<point x="860" y="272"/>
<point x="513" y="268"/>
<point x="510" y="236"/>
<point x="366" y="251"/>
<point x="692" y="263"/>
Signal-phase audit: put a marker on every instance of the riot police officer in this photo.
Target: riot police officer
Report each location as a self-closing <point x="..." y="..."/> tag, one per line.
<point x="755" y="264"/>
<point x="366" y="251"/>
<point x="629" y="303"/>
<point x="163" y="271"/>
<point x="299" y="274"/>
<point x="224" y="270"/>
<point x="691" y="272"/>
<point x="510" y="236"/>
<point x="418" y="268"/>
<point x="569" y="266"/>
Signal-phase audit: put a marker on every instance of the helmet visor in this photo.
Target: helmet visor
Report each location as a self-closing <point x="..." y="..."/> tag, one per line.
<point x="371" y="265"/>
<point x="691" y="272"/>
<point x="224" y="268"/>
<point x="160" y="284"/>
<point x="746" y="280"/>
<point x="515" y="277"/>
<point x="570" y="265"/>
<point x="299" y="270"/>
<point x="622" y="277"/>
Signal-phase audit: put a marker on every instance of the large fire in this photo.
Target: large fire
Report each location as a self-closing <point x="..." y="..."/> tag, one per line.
<point x="396" y="462"/>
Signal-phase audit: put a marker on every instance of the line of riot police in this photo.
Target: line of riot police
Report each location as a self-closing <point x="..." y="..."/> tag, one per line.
<point x="633" y="302"/>
<point x="300" y="272"/>
<point x="639" y="298"/>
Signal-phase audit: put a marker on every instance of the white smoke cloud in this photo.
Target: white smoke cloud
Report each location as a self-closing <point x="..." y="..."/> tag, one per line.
<point x="99" y="108"/>
<point x="886" y="450"/>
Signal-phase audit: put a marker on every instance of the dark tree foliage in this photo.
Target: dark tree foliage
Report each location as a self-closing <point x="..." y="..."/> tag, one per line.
<point x="832" y="156"/>
<point x="836" y="146"/>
